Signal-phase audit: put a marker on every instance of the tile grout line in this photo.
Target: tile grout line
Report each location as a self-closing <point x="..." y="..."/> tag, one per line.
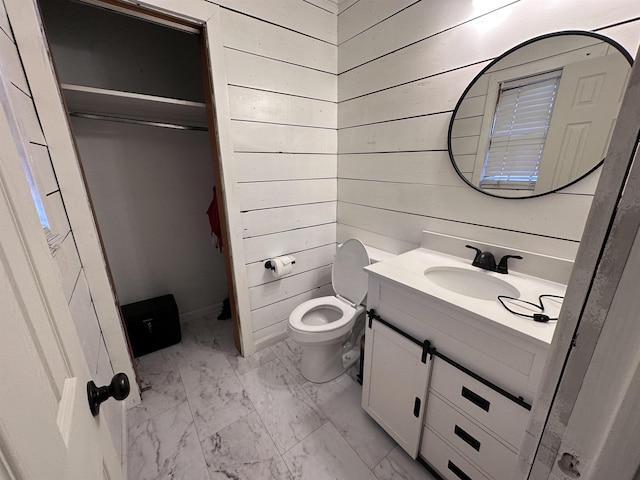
<point x="285" y="358"/>
<point x="328" y="420"/>
<point x="343" y="437"/>
<point x="193" y="420"/>
<point x="258" y="413"/>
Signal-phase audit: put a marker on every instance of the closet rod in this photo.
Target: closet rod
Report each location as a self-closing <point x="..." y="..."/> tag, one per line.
<point x="110" y="118"/>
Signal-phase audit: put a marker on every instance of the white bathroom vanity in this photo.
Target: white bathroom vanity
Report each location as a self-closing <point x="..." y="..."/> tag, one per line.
<point x="450" y="376"/>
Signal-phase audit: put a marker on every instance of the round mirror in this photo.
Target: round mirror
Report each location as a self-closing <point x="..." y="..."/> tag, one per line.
<point x="539" y="117"/>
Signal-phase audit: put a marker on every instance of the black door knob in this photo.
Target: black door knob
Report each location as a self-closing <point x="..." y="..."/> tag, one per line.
<point x="118" y="388"/>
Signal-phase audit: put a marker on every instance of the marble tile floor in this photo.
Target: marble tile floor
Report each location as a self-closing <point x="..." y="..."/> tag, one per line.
<point x="211" y="414"/>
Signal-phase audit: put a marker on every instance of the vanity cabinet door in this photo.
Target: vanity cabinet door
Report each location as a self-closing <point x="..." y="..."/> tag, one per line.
<point x="395" y="384"/>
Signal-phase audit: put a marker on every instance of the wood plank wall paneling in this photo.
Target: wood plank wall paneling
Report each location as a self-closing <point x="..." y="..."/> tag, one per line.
<point x="261" y="195"/>
<point x="291" y="217"/>
<point x="56" y="214"/>
<point x="404" y="27"/>
<point x="364" y="15"/>
<point x="432" y="167"/>
<point x="273" y="137"/>
<point x="328" y="5"/>
<point x="26" y="116"/>
<point x="4" y="23"/>
<point x="345" y="4"/>
<point x="12" y="65"/>
<point x="559" y="216"/>
<point x="66" y="257"/>
<point x="306" y="260"/>
<point x="427" y="132"/>
<point x="255" y="167"/>
<point x="284" y="109"/>
<point x="296" y="15"/>
<point x="478" y="40"/>
<point x="260" y="73"/>
<point x="43" y="170"/>
<point x="85" y="319"/>
<point x="432" y="94"/>
<point x="282" y="76"/>
<point x="261" y="248"/>
<point x="288" y="286"/>
<point x="243" y="33"/>
<point x="402" y="70"/>
<point x="405" y="230"/>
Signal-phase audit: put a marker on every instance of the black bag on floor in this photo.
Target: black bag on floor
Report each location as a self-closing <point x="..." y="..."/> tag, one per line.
<point x="152" y="324"/>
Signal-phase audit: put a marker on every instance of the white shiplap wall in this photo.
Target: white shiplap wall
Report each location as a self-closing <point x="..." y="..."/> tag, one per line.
<point x="282" y="79"/>
<point x="72" y="276"/>
<point x="402" y="67"/>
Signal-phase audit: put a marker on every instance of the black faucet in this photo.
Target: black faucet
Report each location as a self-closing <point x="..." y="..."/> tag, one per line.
<point x="502" y="266"/>
<point x="484" y="260"/>
<point x="487" y="261"/>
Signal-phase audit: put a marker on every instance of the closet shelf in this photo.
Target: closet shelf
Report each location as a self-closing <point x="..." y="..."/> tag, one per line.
<point x="134" y="106"/>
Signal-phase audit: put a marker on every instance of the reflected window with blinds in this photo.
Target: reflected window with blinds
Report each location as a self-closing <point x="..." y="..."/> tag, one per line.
<point x="519" y="130"/>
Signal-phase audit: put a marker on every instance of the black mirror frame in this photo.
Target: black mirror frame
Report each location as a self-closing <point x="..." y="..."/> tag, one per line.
<point x="612" y="42"/>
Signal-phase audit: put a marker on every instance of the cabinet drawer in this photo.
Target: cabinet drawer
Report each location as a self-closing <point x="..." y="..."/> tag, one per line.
<point x="449" y="463"/>
<point x="496" y="412"/>
<point x="469" y="439"/>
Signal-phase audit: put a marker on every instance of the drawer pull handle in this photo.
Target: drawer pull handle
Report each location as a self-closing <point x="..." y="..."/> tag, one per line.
<point x="472" y="442"/>
<point x="416" y="408"/>
<point x="476" y="399"/>
<point x="459" y="473"/>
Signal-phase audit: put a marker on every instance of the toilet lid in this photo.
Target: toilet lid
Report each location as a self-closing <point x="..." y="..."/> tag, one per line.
<point x="348" y="276"/>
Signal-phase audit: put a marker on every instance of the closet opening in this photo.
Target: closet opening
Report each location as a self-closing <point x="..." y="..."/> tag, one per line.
<point x="137" y="90"/>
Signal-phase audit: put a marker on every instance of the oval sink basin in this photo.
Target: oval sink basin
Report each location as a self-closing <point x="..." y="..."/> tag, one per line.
<point x="471" y="283"/>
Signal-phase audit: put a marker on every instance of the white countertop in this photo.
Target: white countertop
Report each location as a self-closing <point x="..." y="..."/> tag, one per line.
<point x="408" y="270"/>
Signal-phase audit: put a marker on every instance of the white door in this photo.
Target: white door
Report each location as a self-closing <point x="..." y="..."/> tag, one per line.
<point x="584" y="114"/>
<point x="394" y="385"/>
<point x="46" y="428"/>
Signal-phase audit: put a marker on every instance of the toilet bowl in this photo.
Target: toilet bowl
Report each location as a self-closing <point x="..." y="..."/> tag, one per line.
<point x="328" y="329"/>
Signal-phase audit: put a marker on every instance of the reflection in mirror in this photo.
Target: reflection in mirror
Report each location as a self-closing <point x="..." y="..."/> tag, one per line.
<point x="539" y="117"/>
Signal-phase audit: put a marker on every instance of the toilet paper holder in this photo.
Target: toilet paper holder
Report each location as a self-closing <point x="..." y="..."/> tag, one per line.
<point x="268" y="265"/>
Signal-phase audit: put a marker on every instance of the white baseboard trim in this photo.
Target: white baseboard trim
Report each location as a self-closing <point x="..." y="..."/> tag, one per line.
<point x="201" y="312"/>
<point x="270" y="340"/>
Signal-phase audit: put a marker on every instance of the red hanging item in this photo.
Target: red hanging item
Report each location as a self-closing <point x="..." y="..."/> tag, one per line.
<point x="214" y="221"/>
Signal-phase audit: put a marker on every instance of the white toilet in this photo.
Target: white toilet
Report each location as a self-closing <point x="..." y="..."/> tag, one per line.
<point x="328" y="328"/>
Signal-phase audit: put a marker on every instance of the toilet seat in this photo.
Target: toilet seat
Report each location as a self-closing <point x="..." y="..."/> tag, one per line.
<point x="305" y="333"/>
<point x="348" y="312"/>
<point x="350" y="284"/>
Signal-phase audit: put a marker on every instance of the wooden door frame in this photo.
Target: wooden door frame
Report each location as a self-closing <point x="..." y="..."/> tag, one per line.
<point x="163" y="19"/>
<point x="205" y="17"/>
<point x="37" y="60"/>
